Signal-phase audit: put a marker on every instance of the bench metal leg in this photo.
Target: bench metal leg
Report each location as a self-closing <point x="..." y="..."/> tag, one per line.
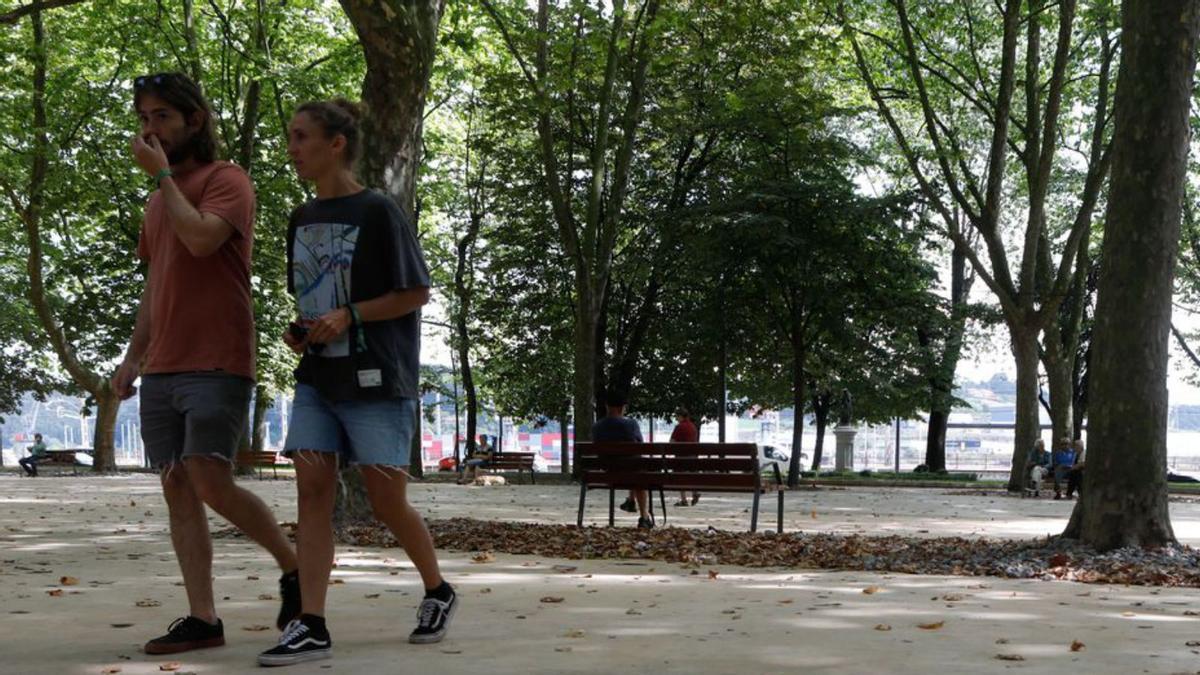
<point x="662" y="497"/>
<point x="754" y="512"/>
<point x="779" y="527"/>
<point x="582" y="499"/>
<point x="612" y="506"/>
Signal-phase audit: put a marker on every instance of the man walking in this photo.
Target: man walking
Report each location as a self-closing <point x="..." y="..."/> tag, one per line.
<point x="193" y="345"/>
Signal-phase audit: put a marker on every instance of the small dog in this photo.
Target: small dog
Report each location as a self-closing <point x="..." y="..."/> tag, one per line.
<point x="1036" y="475"/>
<point x="489" y="480"/>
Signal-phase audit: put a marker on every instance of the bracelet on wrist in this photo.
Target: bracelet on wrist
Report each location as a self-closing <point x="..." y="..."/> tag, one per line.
<point x="162" y="173"/>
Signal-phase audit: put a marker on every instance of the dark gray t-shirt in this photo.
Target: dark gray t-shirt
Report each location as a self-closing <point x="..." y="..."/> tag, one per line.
<point x="351" y="249"/>
<point x="616" y="429"/>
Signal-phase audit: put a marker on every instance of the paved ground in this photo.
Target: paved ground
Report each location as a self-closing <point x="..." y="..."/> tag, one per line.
<point x="109" y="533"/>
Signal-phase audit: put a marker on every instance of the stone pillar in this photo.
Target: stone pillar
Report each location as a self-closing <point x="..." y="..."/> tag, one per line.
<point x="844" y="459"/>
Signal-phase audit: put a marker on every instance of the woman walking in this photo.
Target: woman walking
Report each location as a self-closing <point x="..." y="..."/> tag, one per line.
<point x="358" y="276"/>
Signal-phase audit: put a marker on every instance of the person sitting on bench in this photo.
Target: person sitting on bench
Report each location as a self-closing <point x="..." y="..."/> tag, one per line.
<point x="477" y="460"/>
<point x="1063" y="462"/>
<point x="615" y="426"/>
<point x="1075" y="475"/>
<point x="37" y="452"/>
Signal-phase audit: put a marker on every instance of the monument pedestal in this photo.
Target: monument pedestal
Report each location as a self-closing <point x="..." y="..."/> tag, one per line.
<point x="844" y="457"/>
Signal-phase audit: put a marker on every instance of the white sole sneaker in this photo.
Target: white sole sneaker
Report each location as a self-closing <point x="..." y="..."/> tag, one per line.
<point x="431" y="638"/>
<point x="289" y="659"/>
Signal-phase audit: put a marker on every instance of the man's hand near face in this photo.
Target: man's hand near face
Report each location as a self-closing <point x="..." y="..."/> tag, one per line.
<point x="149" y="154"/>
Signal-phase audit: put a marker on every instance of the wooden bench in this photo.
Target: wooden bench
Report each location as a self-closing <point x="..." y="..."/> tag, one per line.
<point x="512" y="461"/>
<point x="708" y="467"/>
<point x="63" y="457"/>
<point x="260" y="461"/>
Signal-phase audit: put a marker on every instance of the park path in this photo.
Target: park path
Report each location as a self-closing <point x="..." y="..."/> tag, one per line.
<point x="520" y="614"/>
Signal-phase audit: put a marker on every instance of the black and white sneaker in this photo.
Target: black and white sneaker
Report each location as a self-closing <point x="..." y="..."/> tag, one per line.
<point x="305" y="639"/>
<point x="433" y="618"/>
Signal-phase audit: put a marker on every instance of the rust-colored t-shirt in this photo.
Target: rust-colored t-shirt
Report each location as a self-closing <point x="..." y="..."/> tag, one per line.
<point x="201" y="314"/>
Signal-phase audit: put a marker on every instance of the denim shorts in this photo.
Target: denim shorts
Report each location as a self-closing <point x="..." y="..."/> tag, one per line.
<point x="377" y="432"/>
<point x="200" y="414"/>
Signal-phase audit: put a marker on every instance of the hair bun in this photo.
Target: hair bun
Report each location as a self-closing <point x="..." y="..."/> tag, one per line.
<point x="351" y="108"/>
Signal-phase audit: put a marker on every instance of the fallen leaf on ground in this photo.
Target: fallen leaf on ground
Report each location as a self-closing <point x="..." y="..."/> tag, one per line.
<point x="55" y="593"/>
<point x="565" y="569"/>
<point x="110" y="670"/>
<point x="953" y="597"/>
<point x="1010" y="657"/>
<point x="574" y="633"/>
<point x="170" y="665"/>
<point x="814" y="514"/>
<point x="1128" y="614"/>
<point x="371" y="595"/>
<point x="931" y="626"/>
<point x="1002" y="641"/>
<point x="870" y="590"/>
<point x="256" y="627"/>
<point x="1076" y="646"/>
<point x="68" y="581"/>
<point x="562" y="649"/>
<point x="485" y="557"/>
<point x="882" y="626"/>
<point x="148" y="603"/>
<point x="266" y="596"/>
<point x="712" y="574"/>
<point x="485" y="590"/>
<point x="552" y="599"/>
<point x="1193" y="643"/>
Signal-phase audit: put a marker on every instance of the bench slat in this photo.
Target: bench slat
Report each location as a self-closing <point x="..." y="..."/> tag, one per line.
<point x="634" y="479"/>
<point x="660" y="464"/>
<point x="677" y="449"/>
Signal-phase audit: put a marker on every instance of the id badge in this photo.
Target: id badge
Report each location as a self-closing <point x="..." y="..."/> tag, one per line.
<point x="370" y="378"/>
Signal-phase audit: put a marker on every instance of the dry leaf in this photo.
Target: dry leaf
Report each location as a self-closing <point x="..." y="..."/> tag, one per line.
<point x="1010" y="657"/>
<point x="1193" y="643"/>
<point x="68" y="581"/>
<point x="1002" y="641"/>
<point x="870" y="590"/>
<point x="814" y="514"/>
<point x="953" y="597"/>
<point x="256" y="627"/>
<point x="110" y="670"/>
<point x="564" y="569"/>
<point x="266" y="596"/>
<point x="712" y="574"/>
<point x="576" y="633"/>
<point x="485" y="557"/>
<point x="562" y="649"/>
<point x="882" y="626"/>
<point x="336" y="582"/>
<point x="370" y="596"/>
<point x="552" y="599"/>
<point x="931" y="626"/>
<point x="1076" y="646"/>
<point x="170" y="665"/>
<point x="55" y="593"/>
<point x="148" y="603"/>
<point x="1128" y="614"/>
<point x="485" y="590"/>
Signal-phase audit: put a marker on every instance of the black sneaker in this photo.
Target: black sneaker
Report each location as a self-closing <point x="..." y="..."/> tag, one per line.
<point x="645" y="523"/>
<point x="289" y="590"/>
<point x="302" y="641"/>
<point x="187" y="633"/>
<point x="628" y="506"/>
<point x="433" y="619"/>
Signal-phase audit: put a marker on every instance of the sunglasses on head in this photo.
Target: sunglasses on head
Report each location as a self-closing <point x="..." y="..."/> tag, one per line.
<point x="156" y="79"/>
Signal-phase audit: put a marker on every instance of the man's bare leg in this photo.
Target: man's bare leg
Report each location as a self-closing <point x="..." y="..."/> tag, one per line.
<point x="212" y="480"/>
<point x="316" y="488"/>
<point x="387" y="489"/>
<point x="189" y="536"/>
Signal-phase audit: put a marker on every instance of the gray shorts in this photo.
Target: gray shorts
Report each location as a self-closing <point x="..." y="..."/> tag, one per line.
<point x="193" y="415"/>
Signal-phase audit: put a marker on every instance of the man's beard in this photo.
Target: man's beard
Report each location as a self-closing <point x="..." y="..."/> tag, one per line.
<point x="181" y="153"/>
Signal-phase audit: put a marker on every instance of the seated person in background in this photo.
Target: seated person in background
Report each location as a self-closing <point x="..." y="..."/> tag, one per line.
<point x="1063" y="460"/>
<point x="615" y="426"/>
<point x="477" y="459"/>
<point x="37" y="452"/>
<point x="1037" y="465"/>
<point x="1075" y="475"/>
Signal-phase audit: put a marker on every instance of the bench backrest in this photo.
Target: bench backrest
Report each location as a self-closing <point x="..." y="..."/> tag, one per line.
<point x="512" y="459"/>
<point x="678" y="465"/>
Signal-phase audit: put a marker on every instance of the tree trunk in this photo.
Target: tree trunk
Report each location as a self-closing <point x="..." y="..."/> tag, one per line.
<point x="1028" y="423"/>
<point x="798" y="398"/>
<point x="262" y="403"/>
<point x="1124" y="500"/>
<point x="564" y="452"/>
<point x="821" y="404"/>
<point x="584" y="402"/>
<point x="935" y="441"/>
<point x="107" y="406"/>
<point x="1059" y="375"/>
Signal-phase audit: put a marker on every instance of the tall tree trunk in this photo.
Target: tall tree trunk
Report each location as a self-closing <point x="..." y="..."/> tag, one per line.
<point x="1124" y="500"/>
<point x="935" y="441"/>
<point x="821" y="405"/>
<point x="798" y="400"/>
<point x="1028" y="423"/>
<point x="399" y="41"/>
<point x="941" y="384"/>
<point x="584" y="388"/>
<point x="107" y="407"/>
<point x="262" y="403"/>
<point x="564" y="453"/>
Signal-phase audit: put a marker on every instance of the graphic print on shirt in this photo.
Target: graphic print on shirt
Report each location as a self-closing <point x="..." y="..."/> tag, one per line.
<point x="321" y="264"/>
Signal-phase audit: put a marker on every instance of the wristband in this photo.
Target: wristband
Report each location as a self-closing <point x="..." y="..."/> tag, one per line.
<point x="162" y="173"/>
<point x="356" y="324"/>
